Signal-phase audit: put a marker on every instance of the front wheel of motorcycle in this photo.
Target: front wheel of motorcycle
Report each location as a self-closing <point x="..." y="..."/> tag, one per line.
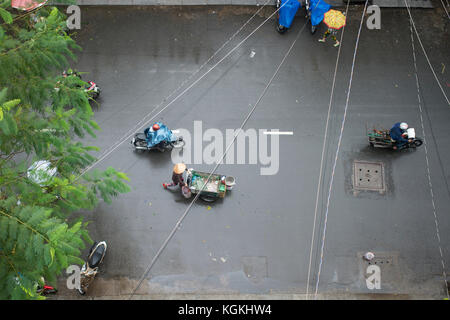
<point x="179" y="143"/>
<point x="418" y="142"/>
<point x="313" y="29"/>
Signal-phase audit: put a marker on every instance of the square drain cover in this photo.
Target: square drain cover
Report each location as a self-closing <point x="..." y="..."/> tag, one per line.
<point x="255" y="268"/>
<point x="368" y="176"/>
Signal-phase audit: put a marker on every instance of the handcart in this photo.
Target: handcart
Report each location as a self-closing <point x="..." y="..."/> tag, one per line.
<point x="214" y="189"/>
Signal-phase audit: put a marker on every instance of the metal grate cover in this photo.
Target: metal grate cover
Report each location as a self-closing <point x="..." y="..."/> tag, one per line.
<point x="255" y="268"/>
<point x="368" y="176"/>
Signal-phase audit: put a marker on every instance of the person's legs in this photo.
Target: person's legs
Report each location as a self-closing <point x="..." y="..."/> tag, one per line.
<point x="325" y="35"/>
<point x="172" y="184"/>
<point x="333" y="36"/>
<point x="399" y="145"/>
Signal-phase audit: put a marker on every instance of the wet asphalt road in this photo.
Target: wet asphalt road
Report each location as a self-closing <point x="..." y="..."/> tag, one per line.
<point x="262" y="230"/>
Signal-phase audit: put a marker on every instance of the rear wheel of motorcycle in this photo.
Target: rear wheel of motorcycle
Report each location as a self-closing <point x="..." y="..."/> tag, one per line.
<point x="140" y="144"/>
<point x="418" y="142"/>
<point x="50" y="291"/>
<point x="139" y="140"/>
<point x="281" y="29"/>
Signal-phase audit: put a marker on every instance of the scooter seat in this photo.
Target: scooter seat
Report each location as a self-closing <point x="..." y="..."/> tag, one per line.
<point x="96" y="257"/>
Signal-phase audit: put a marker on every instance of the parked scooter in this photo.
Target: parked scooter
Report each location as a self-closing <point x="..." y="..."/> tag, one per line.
<point x="92" y="89"/>
<point x="286" y="13"/>
<point x="382" y="139"/>
<point x="157" y="137"/>
<point x="315" y="10"/>
<point x="90" y="267"/>
<point x="46" y="289"/>
<point x="41" y="290"/>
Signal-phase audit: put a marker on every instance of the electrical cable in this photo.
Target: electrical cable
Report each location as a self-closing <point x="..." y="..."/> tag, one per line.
<point x="322" y="156"/>
<point x="178" y="224"/>
<point x="337" y="151"/>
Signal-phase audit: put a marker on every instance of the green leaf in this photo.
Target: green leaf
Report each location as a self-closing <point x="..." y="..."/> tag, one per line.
<point x="3" y="93"/>
<point x="6" y="16"/>
<point x="11" y="104"/>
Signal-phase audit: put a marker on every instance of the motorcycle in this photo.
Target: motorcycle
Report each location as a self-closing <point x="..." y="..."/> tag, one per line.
<point x="162" y="139"/>
<point x="90" y="267"/>
<point x="382" y="139"/>
<point x="286" y="13"/>
<point x="41" y="290"/>
<point x="315" y="9"/>
<point x="46" y="289"/>
<point x="92" y="89"/>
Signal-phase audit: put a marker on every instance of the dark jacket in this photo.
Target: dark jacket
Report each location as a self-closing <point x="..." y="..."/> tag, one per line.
<point x="177" y="178"/>
<point x="396" y="133"/>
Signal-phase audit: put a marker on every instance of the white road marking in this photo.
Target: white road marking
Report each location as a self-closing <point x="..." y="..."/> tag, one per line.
<point x="285" y="133"/>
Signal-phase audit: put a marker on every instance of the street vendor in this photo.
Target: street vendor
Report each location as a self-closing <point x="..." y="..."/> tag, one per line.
<point x="177" y="176"/>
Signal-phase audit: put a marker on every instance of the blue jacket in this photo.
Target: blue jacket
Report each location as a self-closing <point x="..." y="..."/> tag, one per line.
<point x="396" y="133"/>
<point x="156" y="137"/>
<point x="318" y="9"/>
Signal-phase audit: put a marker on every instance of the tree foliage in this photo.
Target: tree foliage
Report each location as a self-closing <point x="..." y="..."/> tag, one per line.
<point x="38" y="122"/>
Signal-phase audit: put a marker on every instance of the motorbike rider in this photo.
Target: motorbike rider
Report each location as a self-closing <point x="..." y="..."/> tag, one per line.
<point x="150" y="132"/>
<point x="398" y="134"/>
<point x="155" y="127"/>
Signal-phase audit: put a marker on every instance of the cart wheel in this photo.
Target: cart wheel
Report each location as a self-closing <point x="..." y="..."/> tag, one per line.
<point x="207" y="198"/>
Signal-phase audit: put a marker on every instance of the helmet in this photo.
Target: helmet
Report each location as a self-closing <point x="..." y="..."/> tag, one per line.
<point x="403" y="126"/>
<point x="155" y="127"/>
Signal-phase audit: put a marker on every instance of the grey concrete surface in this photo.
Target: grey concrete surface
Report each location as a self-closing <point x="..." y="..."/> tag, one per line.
<point x="140" y="55"/>
<point x="338" y="3"/>
<point x="184" y="2"/>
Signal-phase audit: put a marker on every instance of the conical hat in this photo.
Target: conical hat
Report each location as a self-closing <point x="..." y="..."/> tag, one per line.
<point x="179" y="168"/>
